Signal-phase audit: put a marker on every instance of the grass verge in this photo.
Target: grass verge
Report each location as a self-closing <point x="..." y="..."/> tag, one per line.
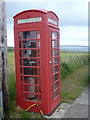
<point x="73" y="84"/>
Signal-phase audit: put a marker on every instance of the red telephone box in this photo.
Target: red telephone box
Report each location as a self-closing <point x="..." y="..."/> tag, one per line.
<point x="37" y="60"/>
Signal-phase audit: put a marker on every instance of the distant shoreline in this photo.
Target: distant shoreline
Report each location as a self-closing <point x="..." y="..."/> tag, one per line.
<point x="74" y="48"/>
<point x="69" y="48"/>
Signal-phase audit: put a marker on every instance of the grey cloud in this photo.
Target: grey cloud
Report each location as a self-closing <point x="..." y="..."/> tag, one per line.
<point x="70" y="13"/>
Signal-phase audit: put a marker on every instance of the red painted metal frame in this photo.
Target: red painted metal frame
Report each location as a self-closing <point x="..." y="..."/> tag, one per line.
<point x="47" y="103"/>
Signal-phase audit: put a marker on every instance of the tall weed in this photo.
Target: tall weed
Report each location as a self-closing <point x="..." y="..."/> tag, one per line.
<point x="67" y="67"/>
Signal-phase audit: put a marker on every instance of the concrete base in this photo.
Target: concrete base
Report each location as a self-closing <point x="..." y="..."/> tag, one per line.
<point x="77" y="111"/>
<point x="60" y="111"/>
<point x="79" y="108"/>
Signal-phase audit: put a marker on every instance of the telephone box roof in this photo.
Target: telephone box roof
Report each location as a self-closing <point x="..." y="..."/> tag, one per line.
<point x="37" y="10"/>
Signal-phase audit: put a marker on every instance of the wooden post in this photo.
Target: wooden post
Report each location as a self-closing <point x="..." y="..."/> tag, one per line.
<point x="3" y="60"/>
<point x="70" y="59"/>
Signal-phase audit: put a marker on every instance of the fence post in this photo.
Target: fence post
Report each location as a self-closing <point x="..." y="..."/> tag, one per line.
<point x="70" y="59"/>
<point x="3" y="60"/>
<point x="77" y="58"/>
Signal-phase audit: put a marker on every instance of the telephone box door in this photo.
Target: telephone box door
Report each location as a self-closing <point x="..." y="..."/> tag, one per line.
<point x="54" y="66"/>
<point x="30" y="81"/>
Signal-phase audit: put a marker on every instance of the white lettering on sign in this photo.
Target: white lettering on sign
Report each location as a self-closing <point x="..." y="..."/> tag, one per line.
<point x="52" y="21"/>
<point x="30" y="20"/>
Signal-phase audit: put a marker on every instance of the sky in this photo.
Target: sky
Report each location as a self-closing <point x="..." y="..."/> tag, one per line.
<point x="73" y="18"/>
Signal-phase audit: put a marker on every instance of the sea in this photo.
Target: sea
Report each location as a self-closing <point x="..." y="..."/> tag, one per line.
<point x="75" y="48"/>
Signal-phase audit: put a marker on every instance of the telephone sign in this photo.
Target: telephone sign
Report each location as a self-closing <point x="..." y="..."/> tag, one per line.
<point x="30" y="20"/>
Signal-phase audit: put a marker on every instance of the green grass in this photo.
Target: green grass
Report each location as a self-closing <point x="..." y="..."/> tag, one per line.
<point x="14" y="111"/>
<point x="11" y="75"/>
<point x="65" y="56"/>
<point x="70" y="62"/>
<point x="72" y="82"/>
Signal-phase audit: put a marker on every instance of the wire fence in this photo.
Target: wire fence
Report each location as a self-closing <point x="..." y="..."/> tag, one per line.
<point x="81" y="60"/>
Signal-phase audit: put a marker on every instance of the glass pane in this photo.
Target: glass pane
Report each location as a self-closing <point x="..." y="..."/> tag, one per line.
<point x="32" y="88"/>
<point x="20" y="44"/>
<point x="54" y="35"/>
<point x="55" y="77"/>
<point x="38" y="71"/>
<point x="31" y="71"/>
<point x="30" y="62"/>
<point x="56" y="93"/>
<point x="38" y="53"/>
<point x="21" y="62"/>
<point x="38" y="62"/>
<point x="38" y="34"/>
<point x="38" y="45"/>
<point x="55" y="69"/>
<point x="55" y="44"/>
<point x="29" y="44"/>
<point x="36" y="80"/>
<point x="56" y="85"/>
<point x="55" y="61"/>
<point x="29" y="35"/>
<point x="29" y="53"/>
<point x="20" y="70"/>
<point x="55" y="52"/>
<point x="30" y="97"/>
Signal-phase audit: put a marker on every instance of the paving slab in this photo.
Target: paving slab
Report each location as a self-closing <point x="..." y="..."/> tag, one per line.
<point x="83" y="99"/>
<point x="77" y="111"/>
<point x="79" y="108"/>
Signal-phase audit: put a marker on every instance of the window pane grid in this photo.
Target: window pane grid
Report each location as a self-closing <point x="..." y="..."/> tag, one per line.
<point x="55" y="85"/>
<point x="35" y="97"/>
<point x="29" y="53"/>
<point x="29" y="71"/>
<point x="31" y="93"/>
<point x="54" y="35"/>
<point x="56" y="90"/>
<point x="29" y="35"/>
<point x="30" y="75"/>
<point x="55" y="81"/>
<point x="55" y="69"/>
<point x="29" y="44"/>
<point x="30" y="62"/>
<point x="54" y="43"/>
<point x="55" y="52"/>
<point x="55" y="94"/>
<point x="31" y="84"/>
<point x="30" y="80"/>
<point x="55" y="64"/>
<point x="30" y="57"/>
<point x="31" y="88"/>
<point x="55" y="73"/>
<point x="55" y="77"/>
